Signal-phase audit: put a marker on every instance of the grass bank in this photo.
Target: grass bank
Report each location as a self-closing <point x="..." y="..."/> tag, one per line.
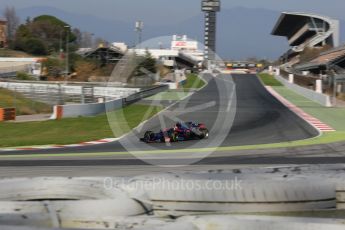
<point x="13" y="53"/>
<point x="269" y="80"/>
<point x="193" y="81"/>
<point x="24" y="106"/>
<point x="78" y="129"/>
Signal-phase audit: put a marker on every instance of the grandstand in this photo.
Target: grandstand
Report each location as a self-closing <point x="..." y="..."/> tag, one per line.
<point x="304" y="30"/>
<point x="333" y="59"/>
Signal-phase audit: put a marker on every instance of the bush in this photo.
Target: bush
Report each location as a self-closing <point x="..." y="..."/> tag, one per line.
<point x="35" y="46"/>
<point x="53" y="66"/>
<point x="23" y="76"/>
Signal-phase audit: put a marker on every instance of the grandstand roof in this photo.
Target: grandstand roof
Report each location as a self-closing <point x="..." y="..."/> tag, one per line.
<point x="286" y="21"/>
<point x="292" y="20"/>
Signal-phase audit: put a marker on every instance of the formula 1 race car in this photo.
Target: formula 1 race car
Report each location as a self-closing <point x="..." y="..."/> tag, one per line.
<point x="181" y="132"/>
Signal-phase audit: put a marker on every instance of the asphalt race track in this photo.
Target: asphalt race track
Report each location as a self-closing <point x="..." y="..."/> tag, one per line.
<point x="237" y="109"/>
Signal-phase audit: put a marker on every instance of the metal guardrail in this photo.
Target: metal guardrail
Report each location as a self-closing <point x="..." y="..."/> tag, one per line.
<point x="54" y="94"/>
<point x="144" y="94"/>
<point x="69" y="83"/>
<point x="8" y="75"/>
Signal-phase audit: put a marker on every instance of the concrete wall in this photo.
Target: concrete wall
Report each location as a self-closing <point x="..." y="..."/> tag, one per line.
<point x="77" y="110"/>
<point x="82" y="110"/>
<point x="322" y="99"/>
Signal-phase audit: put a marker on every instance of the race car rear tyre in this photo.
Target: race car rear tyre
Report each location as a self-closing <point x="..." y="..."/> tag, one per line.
<point x="188" y="134"/>
<point x="204" y="134"/>
<point x="148" y="136"/>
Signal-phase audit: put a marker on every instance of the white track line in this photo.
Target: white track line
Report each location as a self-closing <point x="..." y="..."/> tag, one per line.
<point x="103" y="141"/>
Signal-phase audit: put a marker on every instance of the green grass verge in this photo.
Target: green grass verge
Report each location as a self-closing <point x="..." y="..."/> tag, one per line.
<point x="193" y="82"/>
<point x="24" y="106"/>
<point x="78" y="129"/>
<point x="327" y="138"/>
<point x="269" y="80"/>
<point x="331" y="116"/>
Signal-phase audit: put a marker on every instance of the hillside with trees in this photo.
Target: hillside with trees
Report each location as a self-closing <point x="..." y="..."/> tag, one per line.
<point x="43" y="35"/>
<point x="48" y="36"/>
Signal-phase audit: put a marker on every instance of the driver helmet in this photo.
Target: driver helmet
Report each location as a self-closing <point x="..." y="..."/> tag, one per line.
<point x="178" y="125"/>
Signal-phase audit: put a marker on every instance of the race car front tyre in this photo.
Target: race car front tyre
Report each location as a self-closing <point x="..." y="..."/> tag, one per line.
<point x="204" y="134"/>
<point x="148" y="136"/>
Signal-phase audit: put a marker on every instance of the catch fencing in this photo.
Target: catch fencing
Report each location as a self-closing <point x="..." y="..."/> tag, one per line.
<point x="59" y="94"/>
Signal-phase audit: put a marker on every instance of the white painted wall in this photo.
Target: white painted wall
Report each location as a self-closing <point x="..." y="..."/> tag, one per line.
<point x="320" y="98"/>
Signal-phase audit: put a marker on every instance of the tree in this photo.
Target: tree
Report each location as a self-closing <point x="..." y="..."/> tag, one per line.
<point x="148" y="63"/>
<point x="51" y="30"/>
<point x="46" y="33"/>
<point x="28" y="20"/>
<point x="23" y="33"/>
<point x="12" y="22"/>
<point x="78" y="35"/>
<point x="35" y="46"/>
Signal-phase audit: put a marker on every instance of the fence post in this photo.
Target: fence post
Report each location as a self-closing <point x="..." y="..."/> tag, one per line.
<point x="277" y="71"/>
<point x="82" y="95"/>
<point x="15" y="98"/>
<point x="318" y="86"/>
<point x="291" y="78"/>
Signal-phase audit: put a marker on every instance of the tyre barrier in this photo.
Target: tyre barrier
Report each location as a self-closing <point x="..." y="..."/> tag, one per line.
<point x="102" y="203"/>
<point x="7" y="114"/>
<point x="254" y="223"/>
<point x="207" y="222"/>
<point x="23" y="189"/>
<point x="63" y="202"/>
<point x="176" y="195"/>
<point x="63" y="214"/>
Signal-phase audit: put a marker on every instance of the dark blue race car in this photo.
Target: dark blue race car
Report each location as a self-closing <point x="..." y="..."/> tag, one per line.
<point x="181" y="132"/>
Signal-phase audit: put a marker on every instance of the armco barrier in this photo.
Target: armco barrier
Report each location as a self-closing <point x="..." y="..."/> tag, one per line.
<point x="7" y="114"/>
<point x="32" y="89"/>
<point x="310" y="94"/>
<point x="144" y="93"/>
